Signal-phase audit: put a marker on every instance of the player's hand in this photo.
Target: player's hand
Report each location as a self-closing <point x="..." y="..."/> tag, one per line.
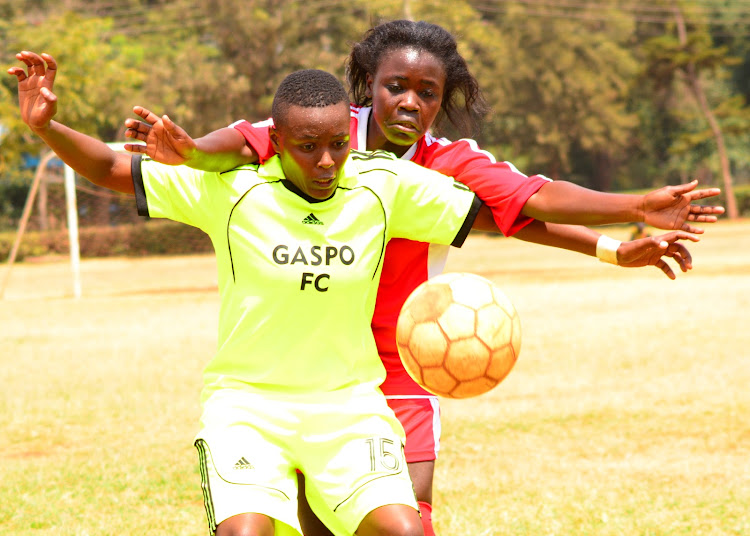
<point x="672" y="207"/>
<point x="35" y="98"/>
<point x="651" y="251"/>
<point x="165" y="141"/>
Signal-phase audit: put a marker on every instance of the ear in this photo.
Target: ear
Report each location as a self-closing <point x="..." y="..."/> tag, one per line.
<point x="368" y="86"/>
<point x="274" y="135"/>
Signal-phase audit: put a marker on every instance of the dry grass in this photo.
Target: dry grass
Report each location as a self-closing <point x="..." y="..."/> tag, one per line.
<point x="627" y="413"/>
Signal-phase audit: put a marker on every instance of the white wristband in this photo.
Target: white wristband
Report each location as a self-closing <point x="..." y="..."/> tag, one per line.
<point x="606" y="249"/>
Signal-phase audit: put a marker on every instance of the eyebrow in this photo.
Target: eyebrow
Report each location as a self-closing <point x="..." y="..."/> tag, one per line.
<point x="313" y="137"/>
<point x="426" y="81"/>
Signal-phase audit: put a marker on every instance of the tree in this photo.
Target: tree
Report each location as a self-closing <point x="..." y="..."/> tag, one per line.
<point x="566" y="86"/>
<point x="690" y="58"/>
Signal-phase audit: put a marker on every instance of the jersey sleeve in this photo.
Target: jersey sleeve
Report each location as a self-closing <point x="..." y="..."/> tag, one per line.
<point x="501" y="187"/>
<point x="257" y="137"/>
<point x="177" y="193"/>
<point x="431" y="207"/>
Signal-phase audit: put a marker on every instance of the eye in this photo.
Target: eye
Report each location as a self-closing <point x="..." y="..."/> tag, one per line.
<point x="393" y="88"/>
<point x="428" y="93"/>
<point x="340" y="144"/>
<point x="307" y="147"/>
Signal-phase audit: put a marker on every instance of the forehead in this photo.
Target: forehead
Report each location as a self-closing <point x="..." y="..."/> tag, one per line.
<point x="412" y="63"/>
<point x="315" y="122"/>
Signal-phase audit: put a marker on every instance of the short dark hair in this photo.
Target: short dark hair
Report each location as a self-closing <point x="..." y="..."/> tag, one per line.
<point x="366" y="55"/>
<point x="309" y="88"/>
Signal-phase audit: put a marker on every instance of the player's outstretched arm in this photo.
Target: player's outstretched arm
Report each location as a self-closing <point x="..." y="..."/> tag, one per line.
<point x="88" y="156"/>
<point x="670" y="207"/>
<point x="168" y="143"/>
<point x="635" y="253"/>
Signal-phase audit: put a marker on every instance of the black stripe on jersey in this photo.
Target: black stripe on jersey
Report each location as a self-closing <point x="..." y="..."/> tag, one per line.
<point x="372" y="155"/>
<point x="251" y="167"/>
<point x="140" y="191"/>
<point x="363" y="171"/>
<point x="229" y="220"/>
<point x="385" y="225"/>
<point x="476" y="204"/>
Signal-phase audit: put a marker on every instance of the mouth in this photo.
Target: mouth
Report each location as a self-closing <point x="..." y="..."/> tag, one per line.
<point x="405" y="126"/>
<point x="324" y="183"/>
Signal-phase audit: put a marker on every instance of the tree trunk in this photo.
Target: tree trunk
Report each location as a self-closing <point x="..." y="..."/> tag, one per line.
<point x="700" y="96"/>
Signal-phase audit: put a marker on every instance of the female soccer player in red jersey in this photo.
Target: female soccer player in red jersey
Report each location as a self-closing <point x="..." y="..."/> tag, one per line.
<point x="404" y="76"/>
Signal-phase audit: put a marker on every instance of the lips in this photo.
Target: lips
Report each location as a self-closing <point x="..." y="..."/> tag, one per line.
<point x="406" y="126"/>
<point x="324" y="183"/>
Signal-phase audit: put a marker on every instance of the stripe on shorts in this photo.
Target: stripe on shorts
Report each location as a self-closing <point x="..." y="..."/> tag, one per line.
<point x="208" y="502"/>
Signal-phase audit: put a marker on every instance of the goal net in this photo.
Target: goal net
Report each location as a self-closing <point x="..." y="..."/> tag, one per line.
<point x="67" y="216"/>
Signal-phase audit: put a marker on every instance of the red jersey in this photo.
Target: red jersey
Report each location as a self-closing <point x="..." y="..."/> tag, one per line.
<point x="407" y="264"/>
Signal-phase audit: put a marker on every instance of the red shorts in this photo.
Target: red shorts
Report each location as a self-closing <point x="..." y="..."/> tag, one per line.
<point x="420" y="417"/>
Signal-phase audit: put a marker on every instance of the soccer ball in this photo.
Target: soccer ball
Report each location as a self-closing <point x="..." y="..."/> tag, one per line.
<point x="458" y="335"/>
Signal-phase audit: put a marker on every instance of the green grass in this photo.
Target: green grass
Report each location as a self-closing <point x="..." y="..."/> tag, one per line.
<point x="626" y="414"/>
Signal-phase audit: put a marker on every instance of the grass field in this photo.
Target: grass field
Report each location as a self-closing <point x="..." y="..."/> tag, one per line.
<point x="628" y="412"/>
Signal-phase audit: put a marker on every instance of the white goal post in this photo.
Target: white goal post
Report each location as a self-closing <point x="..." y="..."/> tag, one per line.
<point x="72" y="217"/>
<point x="71" y="206"/>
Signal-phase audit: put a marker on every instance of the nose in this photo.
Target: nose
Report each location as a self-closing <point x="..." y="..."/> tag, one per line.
<point x="326" y="160"/>
<point x="409" y="101"/>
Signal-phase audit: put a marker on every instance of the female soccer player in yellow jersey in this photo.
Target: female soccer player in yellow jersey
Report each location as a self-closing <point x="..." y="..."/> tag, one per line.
<point x="404" y="75"/>
<point x="278" y="396"/>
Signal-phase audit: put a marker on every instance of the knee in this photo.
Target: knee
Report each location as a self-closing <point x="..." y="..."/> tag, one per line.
<point x="246" y="525"/>
<point x="393" y="520"/>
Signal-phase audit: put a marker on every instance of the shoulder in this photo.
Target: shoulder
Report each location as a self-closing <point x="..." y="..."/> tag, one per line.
<point x="368" y="161"/>
<point x="463" y="148"/>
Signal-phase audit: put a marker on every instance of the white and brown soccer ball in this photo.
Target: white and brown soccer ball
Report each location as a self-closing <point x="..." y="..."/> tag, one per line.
<point x="458" y="335"/>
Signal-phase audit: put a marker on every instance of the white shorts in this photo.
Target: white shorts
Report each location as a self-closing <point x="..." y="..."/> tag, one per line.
<point x="348" y="445"/>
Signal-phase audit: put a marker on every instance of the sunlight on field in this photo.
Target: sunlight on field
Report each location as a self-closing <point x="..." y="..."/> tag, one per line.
<point x="626" y="414"/>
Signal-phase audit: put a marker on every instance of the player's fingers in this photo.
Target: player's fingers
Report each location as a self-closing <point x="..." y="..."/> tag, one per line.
<point x="691" y="229"/>
<point x="51" y="67"/>
<point x="48" y="95"/>
<point x="146" y="114"/>
<point x="664" y="267"/>
<point x="168" y="124"/>
<point x="705" y="192"/>
<point x="703" y="219"/>
<point x="35" y="63"/>
<point x="137" y="126"/>
<point x="684" y="188"/>
<point x="673" y="236"/>
<point x="706" y="209"/>
<point x="679" y="260"/>
<point x="26" y="57"/>
<point x="135" y="148"/>
<point x="18" y="73"/>
<point x="132" y="133"/>
<point x="683" y="253"/>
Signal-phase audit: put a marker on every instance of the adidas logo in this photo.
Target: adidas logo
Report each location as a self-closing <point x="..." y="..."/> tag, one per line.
<point x="312" y="220"/>
<point x="242" y="463"/>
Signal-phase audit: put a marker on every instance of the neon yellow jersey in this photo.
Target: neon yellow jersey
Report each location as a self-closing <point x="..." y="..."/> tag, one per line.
<point x="298" y="278"/>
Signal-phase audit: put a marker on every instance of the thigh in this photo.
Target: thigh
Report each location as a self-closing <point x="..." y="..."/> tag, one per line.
<point x="355" y="463"/>
<point x="245" y="465"/>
